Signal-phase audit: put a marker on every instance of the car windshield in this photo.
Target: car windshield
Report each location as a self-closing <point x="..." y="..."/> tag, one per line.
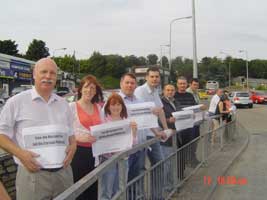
<point x="243" y="94"/>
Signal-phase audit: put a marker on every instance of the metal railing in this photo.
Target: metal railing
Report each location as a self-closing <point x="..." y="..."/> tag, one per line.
<point x="161" y="180"/>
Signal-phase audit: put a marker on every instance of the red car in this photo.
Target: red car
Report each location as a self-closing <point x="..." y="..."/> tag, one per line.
<point x="259" y="97"/>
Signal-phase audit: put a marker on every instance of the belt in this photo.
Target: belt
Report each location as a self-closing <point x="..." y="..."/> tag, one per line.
<point x="51" y="169"/>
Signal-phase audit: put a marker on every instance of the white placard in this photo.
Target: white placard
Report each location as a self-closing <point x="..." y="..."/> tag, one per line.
<point x="142" y="114"/>
<point x="111" y="137"/>
<point x="183" y="119"/>
<point x="197" y="112"/>
<point x="49" y="142"/>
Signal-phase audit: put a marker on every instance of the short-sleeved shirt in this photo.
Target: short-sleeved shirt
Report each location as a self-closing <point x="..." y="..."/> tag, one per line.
<point x="28" y="109"/>
<point x="146" y="94"/>
<point x="141" y="134"/>
<point x="214" y="104"/>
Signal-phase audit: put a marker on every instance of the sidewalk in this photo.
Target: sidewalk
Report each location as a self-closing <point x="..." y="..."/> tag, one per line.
<point x="202" y="184"/>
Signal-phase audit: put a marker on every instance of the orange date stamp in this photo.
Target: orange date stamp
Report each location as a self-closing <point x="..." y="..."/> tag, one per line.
<point x="225" y="180"/>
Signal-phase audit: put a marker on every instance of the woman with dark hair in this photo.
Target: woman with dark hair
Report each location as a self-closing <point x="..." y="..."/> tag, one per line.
<point x="115" y="110"/>
<point x="224" y="108"/>
<point x="86" y="112"/>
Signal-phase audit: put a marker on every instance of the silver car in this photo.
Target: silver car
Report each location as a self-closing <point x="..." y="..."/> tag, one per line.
<point x="241" y="98"/>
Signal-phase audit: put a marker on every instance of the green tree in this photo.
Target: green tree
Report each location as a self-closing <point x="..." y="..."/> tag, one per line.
<point x="131" y="61"/>
<point x="257" y="68"/>
<point x="142" y="60"/>
<point x="8" y="47"/>
<point x="97" y="64"/>
<point x="37" y="50"/>
<point x="115" y="66"/>
<point x="66" y="63"/>
<point x="84" y="65"/>
<point x="165" y="62"/>
<point x="152" y="59"/>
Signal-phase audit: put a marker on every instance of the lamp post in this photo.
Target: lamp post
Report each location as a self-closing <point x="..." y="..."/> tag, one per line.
<point x="170" y="44"/>
<point x="229" y="67"/>
<point x="161" y="54"/>
<point x="246" y="52"/>
<point x="195" y="73"/>
<point x="58" y="50"/>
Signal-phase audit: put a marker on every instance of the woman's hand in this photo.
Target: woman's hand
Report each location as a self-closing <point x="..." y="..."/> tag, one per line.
<point x="85" y="137"/>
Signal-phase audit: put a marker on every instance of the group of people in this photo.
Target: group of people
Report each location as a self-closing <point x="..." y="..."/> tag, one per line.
<point x="220" y="105"/>
<point x="39" y="107"/>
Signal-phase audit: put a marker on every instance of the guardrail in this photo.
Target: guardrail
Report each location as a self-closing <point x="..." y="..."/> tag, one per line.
<point x="163" y="179"/>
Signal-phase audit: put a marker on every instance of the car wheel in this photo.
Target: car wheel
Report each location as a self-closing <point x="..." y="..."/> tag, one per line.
<point x="250" y="105"/>
<point x="256" y="101"/>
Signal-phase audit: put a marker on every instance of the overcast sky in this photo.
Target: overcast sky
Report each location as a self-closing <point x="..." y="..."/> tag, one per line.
<point x="137" y="27"/>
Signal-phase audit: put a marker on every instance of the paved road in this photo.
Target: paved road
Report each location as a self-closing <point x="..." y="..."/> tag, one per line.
<point x="252" y="164"/>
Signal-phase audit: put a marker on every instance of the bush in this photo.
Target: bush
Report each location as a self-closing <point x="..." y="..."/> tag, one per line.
<point x="109" y="82"/>
<point x="261" y="87"/>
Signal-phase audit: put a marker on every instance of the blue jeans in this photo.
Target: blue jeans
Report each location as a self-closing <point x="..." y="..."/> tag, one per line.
<point x="157" y="175"/>
<point x="136" y="163"/>
<point x="168" y="168"/>
<point x="155" y="154"/>
<point x="110" y="182"/>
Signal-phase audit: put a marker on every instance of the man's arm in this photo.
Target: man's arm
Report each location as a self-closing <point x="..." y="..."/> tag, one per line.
<point x="159" y="134"/>
<point x="26" y="157"/>
<point x="162" y="119"/>
<point x="3" y="193"/>
<point x="70" y="151"/>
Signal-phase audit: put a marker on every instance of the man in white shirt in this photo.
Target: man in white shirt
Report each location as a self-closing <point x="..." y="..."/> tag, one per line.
<point x="214" y="102"/>
<point x="34" y="119"/>
<point x="149" y="92"/>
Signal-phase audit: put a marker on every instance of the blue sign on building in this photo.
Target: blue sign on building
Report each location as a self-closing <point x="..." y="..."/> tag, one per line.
<point x="21" y="70"/>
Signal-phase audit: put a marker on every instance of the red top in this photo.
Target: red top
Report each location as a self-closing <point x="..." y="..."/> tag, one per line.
<point x="88" y="120"/>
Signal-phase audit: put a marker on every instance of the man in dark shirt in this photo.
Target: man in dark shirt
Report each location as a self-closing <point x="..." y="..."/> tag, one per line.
<point x="186" y="99"/>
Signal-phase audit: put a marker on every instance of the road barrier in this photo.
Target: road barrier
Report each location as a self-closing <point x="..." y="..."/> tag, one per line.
<point x="162" y="180"/>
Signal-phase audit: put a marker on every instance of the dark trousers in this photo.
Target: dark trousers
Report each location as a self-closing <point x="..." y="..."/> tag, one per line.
<point x="83" y="163"/>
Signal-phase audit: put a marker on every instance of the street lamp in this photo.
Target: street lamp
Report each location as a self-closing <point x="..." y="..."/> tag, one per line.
<point x="195" y="73"/>
<point x="161" y="46"/>
<point x="58" y="50"/>
<point x="229" y="65"/>
<point x="246" y="52"/>
<point x="170" y="44"/>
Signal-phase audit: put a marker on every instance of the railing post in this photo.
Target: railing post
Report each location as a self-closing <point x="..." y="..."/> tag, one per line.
<point x="205" y="140"/>
<point x="175" y="166"/>
<point x="99" y="187"/>
<point x="222" y="133"/>
<point x="122" y="177"/>
<point x="148" y="185"/>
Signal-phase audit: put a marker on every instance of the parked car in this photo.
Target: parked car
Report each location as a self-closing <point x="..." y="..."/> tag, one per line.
<point x="61" y="91"/>
<point x="19" y="89"/>
<point x="258" y="97"/>
<point x="203" y="94"/>
<point x="241" y="98"/>
<point x="70" y="97"/>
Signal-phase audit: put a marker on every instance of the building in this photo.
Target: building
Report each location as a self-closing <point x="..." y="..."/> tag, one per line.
<point x="140" y="73"/>
<point x="14" y="72"/>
